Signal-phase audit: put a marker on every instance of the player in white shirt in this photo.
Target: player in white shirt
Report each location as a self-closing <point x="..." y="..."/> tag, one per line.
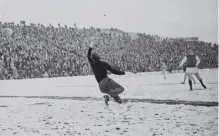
<point x="163" y="69"/>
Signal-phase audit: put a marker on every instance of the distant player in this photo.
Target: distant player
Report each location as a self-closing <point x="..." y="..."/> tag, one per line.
<point x="171" y="66"/>
<point x="186" y="74"/>
<point x="192" y="64"/>
<point x="106" y="85"/>
<point x="163" y="69"/>
<point x="14" y="72"/>
<point x="2" y="68"/>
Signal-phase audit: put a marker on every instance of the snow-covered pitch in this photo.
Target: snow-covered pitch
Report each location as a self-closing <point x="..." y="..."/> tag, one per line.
<point x="74" y="106"/>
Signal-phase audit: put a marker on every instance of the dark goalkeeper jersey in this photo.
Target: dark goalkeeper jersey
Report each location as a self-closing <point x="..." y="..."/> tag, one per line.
<point x="100" y="68"/>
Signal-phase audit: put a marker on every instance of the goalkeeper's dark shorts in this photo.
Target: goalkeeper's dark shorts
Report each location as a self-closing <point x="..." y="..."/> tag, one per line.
<point x="110" y="87"/>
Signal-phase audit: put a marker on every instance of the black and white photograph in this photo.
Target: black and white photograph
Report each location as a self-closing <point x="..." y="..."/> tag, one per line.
<point x="109" y="67"/>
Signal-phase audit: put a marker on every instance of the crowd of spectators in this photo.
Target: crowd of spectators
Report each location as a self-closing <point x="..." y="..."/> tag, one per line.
<point x="40" y="51"/>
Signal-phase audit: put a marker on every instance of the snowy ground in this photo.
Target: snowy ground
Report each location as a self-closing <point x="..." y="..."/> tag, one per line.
<point x="26" y="116"/>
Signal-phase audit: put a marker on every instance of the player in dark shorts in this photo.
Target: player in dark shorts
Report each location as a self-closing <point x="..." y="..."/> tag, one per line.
<point x="186" y="74"/>
<point x="106" y="85"/>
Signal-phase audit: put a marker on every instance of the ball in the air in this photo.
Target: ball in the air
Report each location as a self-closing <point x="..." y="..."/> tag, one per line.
<point x="7" y="32"/>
